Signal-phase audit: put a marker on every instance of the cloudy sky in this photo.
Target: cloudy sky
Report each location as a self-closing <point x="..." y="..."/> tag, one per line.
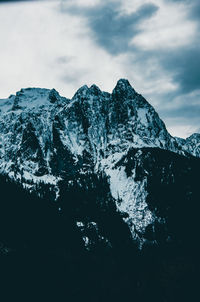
<point x="66" y="44"/>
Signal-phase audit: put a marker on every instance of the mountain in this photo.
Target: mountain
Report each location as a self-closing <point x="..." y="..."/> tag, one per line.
<point x="191" y="144"/>
<point x="48" y="140"/>
<point x="98" y="201"/>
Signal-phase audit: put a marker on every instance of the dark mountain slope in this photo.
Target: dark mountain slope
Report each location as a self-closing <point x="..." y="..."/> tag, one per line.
<point x="98" y="201"/>
<point x="47" y="257"/>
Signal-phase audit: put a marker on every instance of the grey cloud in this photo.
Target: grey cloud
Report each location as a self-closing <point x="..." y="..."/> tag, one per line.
<point x="195" y="11"/>
<point x="10" y="1"/>
<point x="193" y="8"/>
<point x="184" y="65"/>
<point x="187" y="112"/>
<point x="184" y="62"/>
<point x="111" y="28"/>
<point x="64" y="60"/>
<point x="69" y="76"/>
<point x="186" y="116"/>
<point x="114" y="31"/>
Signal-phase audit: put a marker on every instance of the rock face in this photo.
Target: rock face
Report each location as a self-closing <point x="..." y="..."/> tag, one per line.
<point x="111" y="142"/>
<point x="191" y="144"/>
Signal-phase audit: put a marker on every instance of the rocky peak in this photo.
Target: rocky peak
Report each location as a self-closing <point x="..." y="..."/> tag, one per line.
<point x="123" y="85"/>
<point x="123" y="90"/>
<point x="94" y="89"/>
<point x="55" y="137"/>
<point x="30" y="98"/>
<point x="81" y="92"/>
<point x="191" y="144"/>
<point x="54" y="95"/>
<point x="195" y="137"/>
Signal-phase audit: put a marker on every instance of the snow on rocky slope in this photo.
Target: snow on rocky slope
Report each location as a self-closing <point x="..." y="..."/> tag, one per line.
<point x="46" y="137"/>
<point x="191" y="144"/>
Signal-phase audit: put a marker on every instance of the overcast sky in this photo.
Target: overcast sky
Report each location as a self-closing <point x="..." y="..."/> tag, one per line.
<point x="66" y="44"/>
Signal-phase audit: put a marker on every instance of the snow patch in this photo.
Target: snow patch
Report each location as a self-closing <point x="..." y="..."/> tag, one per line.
<point x="130" y="199"/>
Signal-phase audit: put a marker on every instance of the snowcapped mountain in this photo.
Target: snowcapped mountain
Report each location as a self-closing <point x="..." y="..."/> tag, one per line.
<point x="109" y="141"/>
<point x="191" y="144"/>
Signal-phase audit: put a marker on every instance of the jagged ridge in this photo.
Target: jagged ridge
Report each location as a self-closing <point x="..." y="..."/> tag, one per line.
<point x="46" y="138"/>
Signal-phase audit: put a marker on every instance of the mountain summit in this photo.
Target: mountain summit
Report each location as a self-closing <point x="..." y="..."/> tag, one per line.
<point x="112" y="142"/>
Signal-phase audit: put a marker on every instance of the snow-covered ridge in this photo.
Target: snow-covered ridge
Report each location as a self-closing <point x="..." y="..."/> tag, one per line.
<point x="45" y="137"/>
<point x="191" y="144"/>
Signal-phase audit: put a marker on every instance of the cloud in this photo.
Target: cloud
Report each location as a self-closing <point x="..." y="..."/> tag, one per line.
<point x="181" y="61"/>
<point x="113" y="29"/>
<point x="184" y="64"/>
<point x="189" y="111"/>
<point x="195" y="10"/>
<point x="193" y="7"/>
<point x="10" y="1"/>
<point x="181" y="113"/>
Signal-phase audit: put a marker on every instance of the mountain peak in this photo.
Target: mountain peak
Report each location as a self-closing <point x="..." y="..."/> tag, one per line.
<point x="124" y="88"/>
<point x="83" y="90"/>
<point x="32" y="91"/>
<point x="194" y="136"/>
<point x="95" y="89"/>
<point x="123" y="84"/>
<point x="53" y="95"/>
